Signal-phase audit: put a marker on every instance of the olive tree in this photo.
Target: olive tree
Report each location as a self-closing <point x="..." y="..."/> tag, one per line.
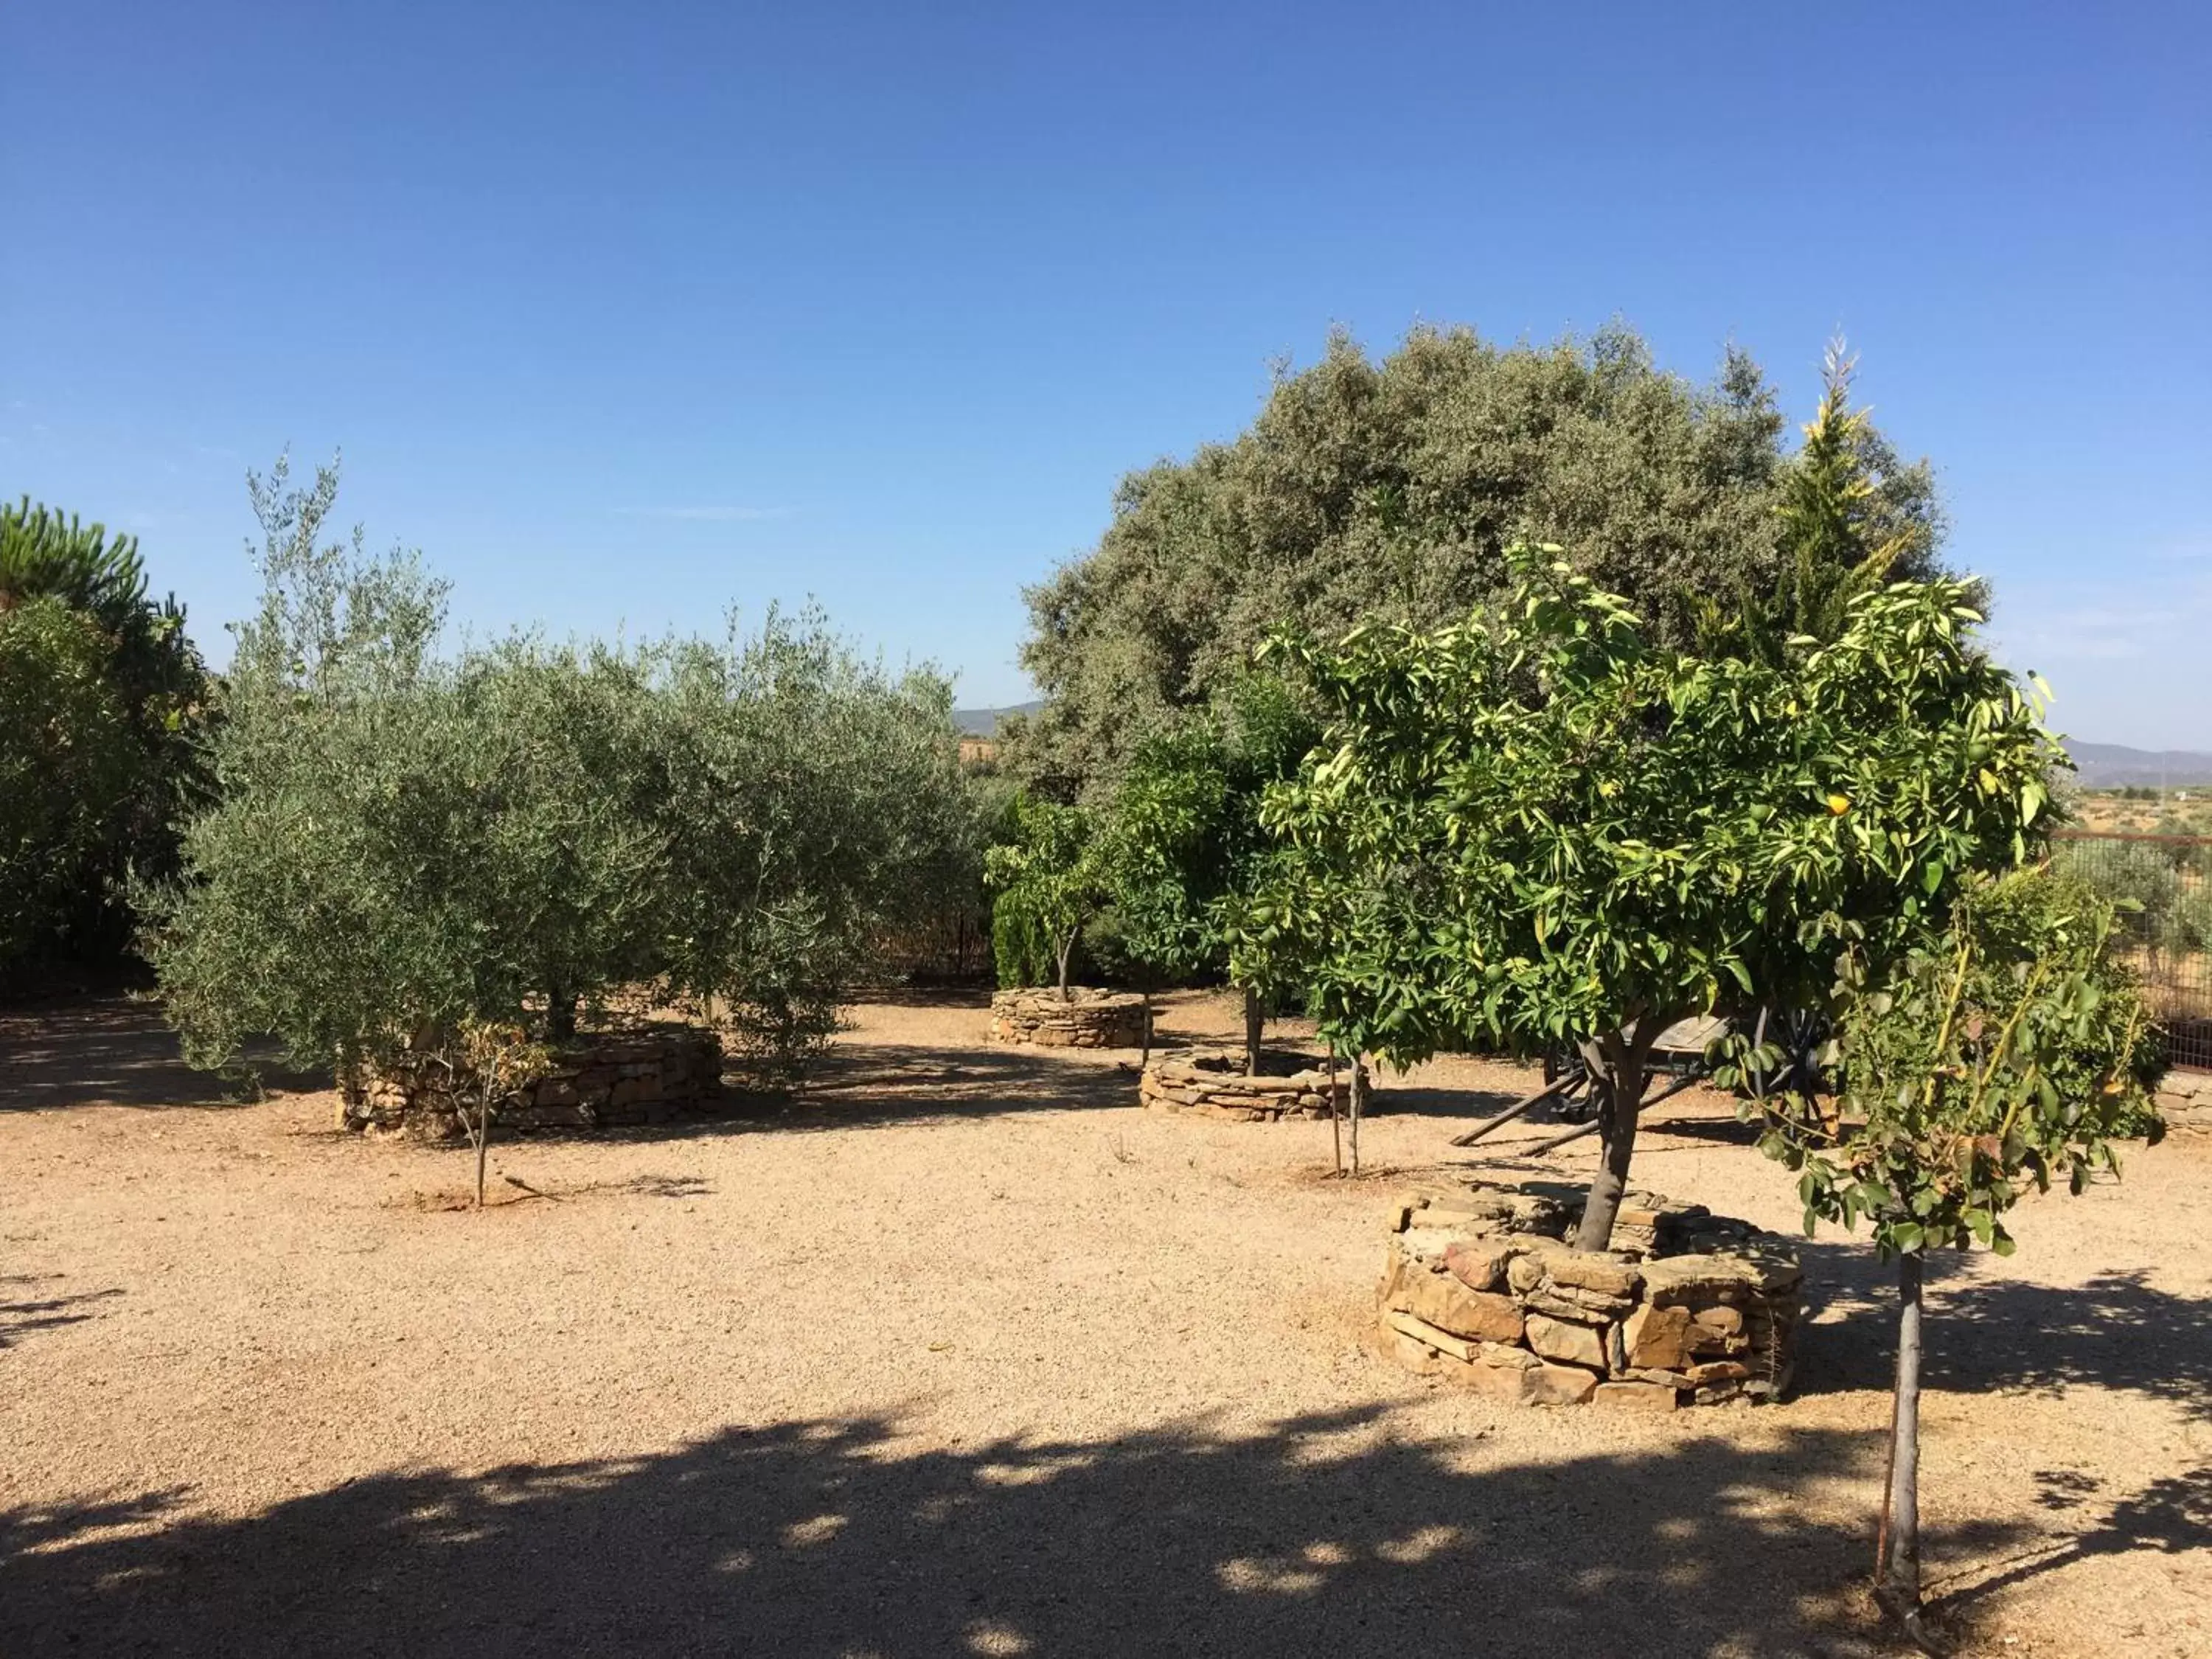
<point x="1390" y="486"/>
<point x="1539" y="827"/>
<point x="2005" y="1052"/>
<point x="411" y="844"/>
<point x="813" y="802"/>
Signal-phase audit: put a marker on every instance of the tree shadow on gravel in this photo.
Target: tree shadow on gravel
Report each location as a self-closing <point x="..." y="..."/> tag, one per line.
<point x="862" y="1084"/>
<point x="887" y="1086"/>
<point x="2115" y="1330"/>
<point x="844" y="1538"/>
<point x="2171" y="1516"/>
<point x="112" y="1051"/>
<point x="25" y="1315"/>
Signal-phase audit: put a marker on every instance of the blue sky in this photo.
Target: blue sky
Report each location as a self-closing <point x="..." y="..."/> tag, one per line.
<point x="623" y="313"/>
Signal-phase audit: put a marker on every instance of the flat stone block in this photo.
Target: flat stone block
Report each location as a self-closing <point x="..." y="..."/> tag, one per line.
<point x="1637" y="1396"/>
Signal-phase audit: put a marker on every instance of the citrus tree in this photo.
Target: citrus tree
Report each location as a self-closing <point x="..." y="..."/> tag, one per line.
<point x="1049" y="879"/>
<point x="1185" y="850"/>
<point x="2005" y="1052"/>
<point x="1539" y="828"/>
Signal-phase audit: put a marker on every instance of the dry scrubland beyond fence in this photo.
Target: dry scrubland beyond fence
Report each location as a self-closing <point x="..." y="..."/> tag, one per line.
<point x="2170" y="936"/>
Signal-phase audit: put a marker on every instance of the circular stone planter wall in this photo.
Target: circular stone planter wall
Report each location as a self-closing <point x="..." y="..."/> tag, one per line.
<point x="1211" y="1082"/>
<point x="605" y="1080"/>
<point x="1085" y="1019"/>
<point x="1689" y="1309"/>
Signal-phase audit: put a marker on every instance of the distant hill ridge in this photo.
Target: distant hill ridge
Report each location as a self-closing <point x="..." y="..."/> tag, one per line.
<point x="984" y="722"/>
<point x="2113" y="765"/>
<point x="2102" y="765"/>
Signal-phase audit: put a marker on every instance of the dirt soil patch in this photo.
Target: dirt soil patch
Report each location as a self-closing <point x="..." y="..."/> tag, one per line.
<point x="967" y="1354"/>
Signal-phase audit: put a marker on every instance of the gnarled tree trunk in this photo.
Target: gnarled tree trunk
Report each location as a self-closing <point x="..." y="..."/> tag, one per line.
<point x="1255" y="1021"/>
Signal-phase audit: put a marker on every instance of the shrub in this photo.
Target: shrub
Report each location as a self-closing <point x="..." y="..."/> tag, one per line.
<point x="135" y="748"/>
<point x="69" y="764"/>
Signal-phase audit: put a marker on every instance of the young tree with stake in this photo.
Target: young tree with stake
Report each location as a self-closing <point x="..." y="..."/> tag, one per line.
<point x="1053" y="876"/>
<point x="2010" y="1049"/>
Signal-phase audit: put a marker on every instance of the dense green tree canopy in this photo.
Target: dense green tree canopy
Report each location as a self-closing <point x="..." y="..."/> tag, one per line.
<point x="1540" y="826"/>
<point x="136" y="751"/>
<point x="1390" y="490"/>
<point x="69" y="762"/>
<point x="1187" y="849"/>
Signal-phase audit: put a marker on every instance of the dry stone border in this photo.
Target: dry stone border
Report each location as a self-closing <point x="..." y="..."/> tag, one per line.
<point x="607" y="1079"/>
<point x="2184" y="1100"/>
<point x="1087" y="1018"/>
<point x="1211" y="1083"/>
<point x="1481" y="1288"/>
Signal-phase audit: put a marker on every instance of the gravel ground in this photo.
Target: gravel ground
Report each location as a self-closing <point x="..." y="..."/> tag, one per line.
<point x="968" y="1355"/>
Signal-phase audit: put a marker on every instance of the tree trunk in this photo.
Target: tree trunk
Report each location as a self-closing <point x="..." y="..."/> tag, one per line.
<point x="1066" y="951"/>
<point x="560" y="1014"/>
<point x="484" y="1143"/>
<point x="1255" y="1020"/>
<point x="1617" y="1077"/>
<point x="1897" y="1546"/>
<point x="1335" y="1123"/>
<point x="1145" y="1059"/>
<point x="1358" y="1105"/>
<point x="484" y="1121"/>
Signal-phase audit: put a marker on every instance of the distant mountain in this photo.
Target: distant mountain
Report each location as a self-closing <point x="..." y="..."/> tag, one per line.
<point x="2110" y="765"/>
<point x="983" y="722"/>
<point x="2102" y="765"/>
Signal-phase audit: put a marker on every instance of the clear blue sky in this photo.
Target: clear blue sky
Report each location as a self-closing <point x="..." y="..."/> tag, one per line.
<point x="622" y="313"/>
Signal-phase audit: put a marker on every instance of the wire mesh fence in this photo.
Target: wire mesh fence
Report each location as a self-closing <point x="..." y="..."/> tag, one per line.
<point x="2169" y="925"/>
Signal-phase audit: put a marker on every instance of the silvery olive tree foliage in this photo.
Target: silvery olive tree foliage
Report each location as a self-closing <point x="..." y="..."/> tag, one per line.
<point x="409" y="841"/>
<point x="1388" y="489"/>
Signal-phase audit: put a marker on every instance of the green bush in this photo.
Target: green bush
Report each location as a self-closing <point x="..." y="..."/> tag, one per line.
<point x="71" y="763"/>
<point x="81" y="612"/>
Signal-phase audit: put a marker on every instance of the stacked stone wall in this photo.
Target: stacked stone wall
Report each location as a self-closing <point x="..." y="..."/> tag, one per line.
<point x="607" y="1079"/>
<point x="1212" y="1083"/>
<point x="1085" y="1019"/>
<point x="1481" y="1288"/>
<point x="2186" y="1100"/>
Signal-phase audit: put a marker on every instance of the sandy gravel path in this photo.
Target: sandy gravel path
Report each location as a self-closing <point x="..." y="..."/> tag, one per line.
<point x="971" y="1356"/>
